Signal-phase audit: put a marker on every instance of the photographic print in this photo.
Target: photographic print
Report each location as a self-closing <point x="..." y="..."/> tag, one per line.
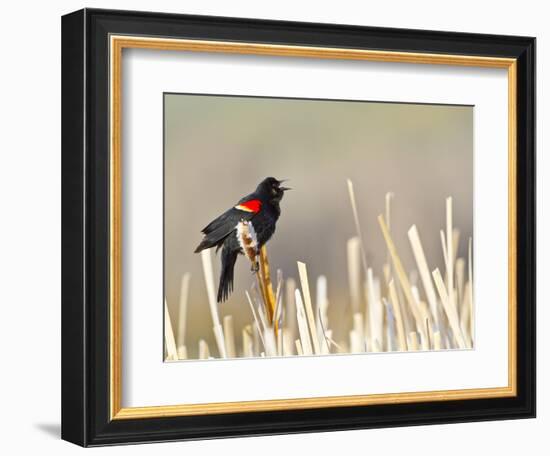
<point x="298" y="227"/>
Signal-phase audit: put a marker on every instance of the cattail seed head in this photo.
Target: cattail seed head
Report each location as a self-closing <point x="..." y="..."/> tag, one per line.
<point x="247" y="239"/>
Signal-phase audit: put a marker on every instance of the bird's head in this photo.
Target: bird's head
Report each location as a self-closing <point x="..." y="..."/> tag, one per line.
<point x="271" y="189"/>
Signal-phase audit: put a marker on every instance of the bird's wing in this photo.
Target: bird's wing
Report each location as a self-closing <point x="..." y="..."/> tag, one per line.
<point x="226" y="223"/>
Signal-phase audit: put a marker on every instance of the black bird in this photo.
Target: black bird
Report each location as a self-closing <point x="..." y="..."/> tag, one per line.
<point x="261" y="208"/>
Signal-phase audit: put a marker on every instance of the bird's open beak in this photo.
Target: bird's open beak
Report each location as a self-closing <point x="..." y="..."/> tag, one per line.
<point x="284" y="189"/>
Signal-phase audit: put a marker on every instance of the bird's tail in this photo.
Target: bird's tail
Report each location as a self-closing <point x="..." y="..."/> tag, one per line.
<point x="226" y="276"/>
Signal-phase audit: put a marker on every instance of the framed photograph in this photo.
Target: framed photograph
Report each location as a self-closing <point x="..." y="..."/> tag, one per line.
<point x="278" y="227"/>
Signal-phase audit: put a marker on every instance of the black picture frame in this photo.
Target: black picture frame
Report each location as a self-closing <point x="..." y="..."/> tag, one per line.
<point x="85" y="228"/>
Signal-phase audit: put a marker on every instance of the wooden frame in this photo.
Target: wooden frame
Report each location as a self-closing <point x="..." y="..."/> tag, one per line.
<point x="93" y="41"/>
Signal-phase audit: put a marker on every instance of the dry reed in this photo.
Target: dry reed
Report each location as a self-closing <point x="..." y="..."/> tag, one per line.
<point x="387" y="312"/>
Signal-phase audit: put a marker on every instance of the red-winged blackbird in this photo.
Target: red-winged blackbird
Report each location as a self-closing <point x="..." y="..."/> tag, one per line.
<point x="261" y="208"/>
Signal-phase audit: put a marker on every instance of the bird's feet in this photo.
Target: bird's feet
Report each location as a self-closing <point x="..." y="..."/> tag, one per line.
<point x="255" y="267"/>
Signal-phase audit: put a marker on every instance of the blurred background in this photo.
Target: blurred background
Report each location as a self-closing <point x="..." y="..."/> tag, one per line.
<point x="218" y="148"/>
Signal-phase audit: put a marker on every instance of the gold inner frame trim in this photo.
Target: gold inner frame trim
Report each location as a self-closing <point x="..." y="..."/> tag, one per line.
<point x="117" y="44"/>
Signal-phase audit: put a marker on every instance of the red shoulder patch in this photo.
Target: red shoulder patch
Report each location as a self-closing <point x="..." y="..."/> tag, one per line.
<point x="250" y="206"/>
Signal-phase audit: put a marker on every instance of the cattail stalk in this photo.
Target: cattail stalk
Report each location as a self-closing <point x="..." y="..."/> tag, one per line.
<point x="308" y="306"/>
<point x="209" y="281"/>
<point x="413" y="341"/>
<point x="321" y="301"/>
<point x="229" y="336"/>
<point x="169" y="340"/>
<point x="256" y="319"/>
<point x="400" y="327"/>
<point x="354" y="272"/>
<point x="182" y="314"/>
<point x="260" y="263"/>
<point x="401" y="275"/>
<point x="450" y="310"/>
<point x="459" y="272"/>
<point x="268" y="287"/>
<point x="425" y="276"/>
<point x="182" y="352"/>
<point x="359" y="328"/>
<point x="204" y="351"/>
<point x="375" y="310"/>
<point x="437" y="340"/>
<point x="299" y="350"/>
<point x="305" y="341"/>
<point x="248" y="342"/>
<point x="290" y="308"/>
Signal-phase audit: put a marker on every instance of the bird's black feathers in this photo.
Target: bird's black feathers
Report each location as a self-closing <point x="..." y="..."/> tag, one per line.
<point x="218" y="229"/>
<point x="262" y="209"/>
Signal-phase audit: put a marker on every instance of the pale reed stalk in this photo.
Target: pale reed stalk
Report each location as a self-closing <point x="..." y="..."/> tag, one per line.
<point x="169" y="340"/>
<point x="209" y="281"/>
<point x="182" y="314"/>
<point x="302" y="270"/>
